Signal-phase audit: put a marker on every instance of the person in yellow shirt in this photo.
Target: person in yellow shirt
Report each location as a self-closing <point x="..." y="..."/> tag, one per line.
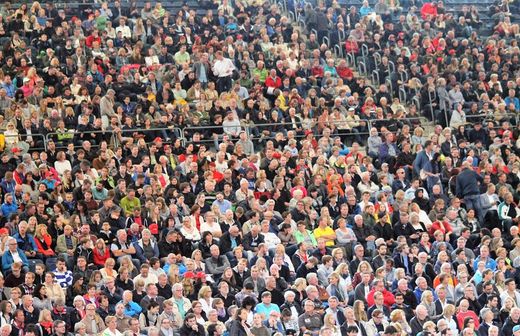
<point x="326" y="232"/>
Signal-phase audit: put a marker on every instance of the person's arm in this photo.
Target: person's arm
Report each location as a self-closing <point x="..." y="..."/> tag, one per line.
<point x="116" y="251"/>
<point x="33" y="244"/>
<point x="225" y="264"/>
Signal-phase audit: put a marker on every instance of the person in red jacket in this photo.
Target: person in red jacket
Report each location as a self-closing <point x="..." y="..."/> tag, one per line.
<point x="43" y="241"/>
<point x="92" y="37"/>
<point x="351" y="46"/>
<point x="317" y="69"/>
<point x="464" y="312"/>
<point x="343" y="70"/>
<point x="442" y="225"/>
<point x="429" y="9"/>
<point x="101" y="253"/>
<point x="19" y="174"/>
<point x="379" y="286"/>
<point x="273" y="81"/>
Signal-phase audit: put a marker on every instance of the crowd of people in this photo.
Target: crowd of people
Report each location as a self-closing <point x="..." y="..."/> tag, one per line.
<point x="224" y="170"/>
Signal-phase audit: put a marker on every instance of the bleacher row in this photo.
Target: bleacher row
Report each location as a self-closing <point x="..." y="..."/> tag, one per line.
<point x="452" y="6"/>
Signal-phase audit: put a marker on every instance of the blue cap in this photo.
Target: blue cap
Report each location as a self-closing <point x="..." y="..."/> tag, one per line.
<point x="516" y="328"/>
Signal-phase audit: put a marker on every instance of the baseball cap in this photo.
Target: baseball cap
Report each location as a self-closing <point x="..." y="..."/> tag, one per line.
<point x="516" y="328"/>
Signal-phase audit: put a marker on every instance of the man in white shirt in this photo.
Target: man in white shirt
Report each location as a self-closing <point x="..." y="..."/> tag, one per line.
<point x="124" y="29"/>
<point x="511" y="292"/>
<point x="231" y="125"/>
<point x="270" y="239"/>
<point x="223" y="69"/>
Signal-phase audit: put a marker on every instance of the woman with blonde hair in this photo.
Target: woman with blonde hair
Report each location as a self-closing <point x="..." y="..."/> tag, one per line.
<point x="13" y="140"/>
<point x="448" y="316"/>
<point x="263" y="269"/>
<point x="126" y="261"/>
<point x="363" y="267"/>
<point x="423" y="216"/>
<point x="43" y="241"/>
<point x="499" y="280"/>
<point x="189" y="290"/>
<point x="329" y="321"/>
<point x="398" y="317"/>
<point x="299" y="289"/>
<point x="334" y="288"/>
<point x="427" y="300"/>
<point x="45" y="322"/>
<point x="196" y="256"/>
<point x="173" y="274"/>
<point x="111" y="330"/>
<point x="100" y="252"/>
<point x="108" y="270"/>
<point x="359" y="311"/>
<point x="205" y="298"/>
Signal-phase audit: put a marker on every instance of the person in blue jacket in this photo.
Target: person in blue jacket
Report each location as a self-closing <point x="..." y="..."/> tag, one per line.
<point x="132" y="309"/>
<point x="27" y="244"/>
<point x="13" y="254"/>
<point x="9" y="206"/>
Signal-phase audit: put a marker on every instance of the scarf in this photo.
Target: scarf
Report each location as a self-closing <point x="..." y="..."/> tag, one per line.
<point x="47" y="325"/>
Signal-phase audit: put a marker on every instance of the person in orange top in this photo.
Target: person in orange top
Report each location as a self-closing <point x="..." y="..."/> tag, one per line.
<point x="334" y="181"/>
<point x="445" y="279"/>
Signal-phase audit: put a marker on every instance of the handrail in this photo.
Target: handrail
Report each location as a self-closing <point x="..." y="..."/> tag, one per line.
<point x="417" y="101"/>
<point x="390" y="86"/>
<point x="338" y="51"/>
<point x="22" y="136"/>
<point x="403" y="96"/>
<point x="432" y="96"/>
<point x="341" y="35"/>
<point x="362" y="68"/>
<point x="325" y="38"/>
<point x="180" y="132"/>
<point x="364" y="50"/>
<point x="375" y="77"/>
<point x="377" y="60"/>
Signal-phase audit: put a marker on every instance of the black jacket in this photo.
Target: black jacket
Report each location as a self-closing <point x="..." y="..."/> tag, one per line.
<point x="249" y="243"/>
<point x="225" y="242"/>
<point x="507" y="328"/>
<point x="467" y="183"/>
<point x="417" y="326"/>
<point x="236" y="329"/>
<point x="187" y="331"/>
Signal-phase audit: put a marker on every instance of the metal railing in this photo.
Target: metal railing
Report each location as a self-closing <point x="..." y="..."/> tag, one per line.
<point x="40" y="145"/>
<point x="181" y="133"/>
<point x="115" y="137"/>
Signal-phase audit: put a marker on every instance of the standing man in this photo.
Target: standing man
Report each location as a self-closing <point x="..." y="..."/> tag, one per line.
<point x="467" y="188"/>
<point x="223" y="69"/>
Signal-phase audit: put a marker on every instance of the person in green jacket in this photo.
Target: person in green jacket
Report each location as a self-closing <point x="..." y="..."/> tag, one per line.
<point x="302" y="234"/>
<point x="260" y="71"/>
<point x="130" y="202"/>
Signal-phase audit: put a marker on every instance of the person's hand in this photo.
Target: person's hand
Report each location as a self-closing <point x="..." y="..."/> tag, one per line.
<point x="195" y="327"/>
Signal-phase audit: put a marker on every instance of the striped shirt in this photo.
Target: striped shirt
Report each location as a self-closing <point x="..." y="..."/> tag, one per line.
<point x="64" y="279"/>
